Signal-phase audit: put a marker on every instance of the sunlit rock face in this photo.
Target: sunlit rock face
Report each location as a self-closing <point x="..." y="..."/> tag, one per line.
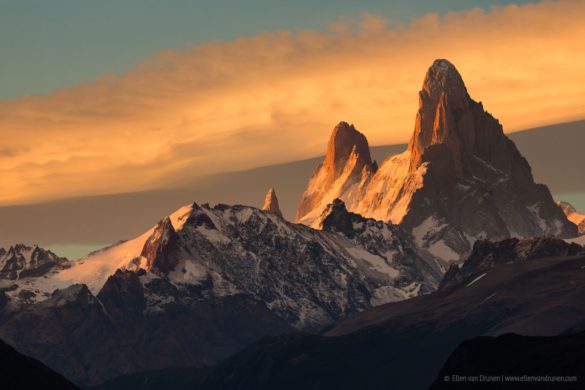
<point x="160" y="248"/>
<point x="271" y="203"/>
<point x="443" y="93"/>
<point x="347" y="166"/>
<point x="573" y="216"/>
<point x="460" y="179"/>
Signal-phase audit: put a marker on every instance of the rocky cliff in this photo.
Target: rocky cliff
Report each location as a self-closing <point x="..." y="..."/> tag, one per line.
<point x="460" y="179"/>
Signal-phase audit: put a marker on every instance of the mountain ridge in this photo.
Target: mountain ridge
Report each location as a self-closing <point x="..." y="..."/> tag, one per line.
<point x="459" y="180"/>
<point x="126" y="215"/>
<point x="420" y="333"/>
<point x="204" y="283"/>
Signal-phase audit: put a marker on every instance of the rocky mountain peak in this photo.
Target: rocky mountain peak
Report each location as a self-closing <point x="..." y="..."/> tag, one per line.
<point x="442" y="77"/>
<point x="271" y="203"/>
<point x="335" y="218"/>
<point x="21" y="261"/>
<point x="461" y="178"/>
<point x="567" y="208"/>
<point x="444" y="115"/>
<point x="347" y="162"/>
<point x="573" y="216"/>
<point x="487" y="254"/>
<point x="448" y="116"/>
<point x="74" y="294"/>
<point x="158" y="248"/>
<point x="345" y="140"/>
<point x="123" y="294"/>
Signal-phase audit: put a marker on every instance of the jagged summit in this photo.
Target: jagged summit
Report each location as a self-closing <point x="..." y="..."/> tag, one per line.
<point x="204" y="275"/>
<point x="346" y="163"/>
<point x="443" y="92"/>
<point x="345" y="141"/>
<point x="159" y="248"/>
<point x="442" y="76"/>
<point x="22" y="261"/>
<point x="460" y="179"/>
<point x="271" y="203"/>
<point x="448" y="116"/>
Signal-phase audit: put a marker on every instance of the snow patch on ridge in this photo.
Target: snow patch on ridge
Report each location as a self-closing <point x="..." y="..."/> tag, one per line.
<point x="428" y="226"/>
<point x="384" y="196"/>
<point x="441" y="250"/>
<point x="179" y="217"/>
<point x="346" y="187"/>
<point x="389" y="192"/>
<point x="95" y="269"/>
<point x="190" y="272"/>
<point x="376" y="262"/>
<point x="577" y="240"/>
<point x="476" y="279"/>
<point x="535" y="210"/>
<point x="386" y="294"/>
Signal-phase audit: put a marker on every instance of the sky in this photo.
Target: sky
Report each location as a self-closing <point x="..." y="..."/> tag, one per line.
<point x="109" y="97"/>
<point x="51" y="44"/>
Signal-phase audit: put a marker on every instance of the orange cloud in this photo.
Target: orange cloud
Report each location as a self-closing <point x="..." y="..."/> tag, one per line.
<point x="274" y="97"/>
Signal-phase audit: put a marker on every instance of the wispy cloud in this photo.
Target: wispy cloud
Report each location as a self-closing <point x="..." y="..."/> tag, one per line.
<point x="275" y="96"/>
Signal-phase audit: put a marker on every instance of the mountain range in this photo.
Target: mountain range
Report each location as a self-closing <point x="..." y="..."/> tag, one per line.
<point x="535" y="291"/>
<point x="122" y="216"/>
<point x="236" y="272"/>
<point x="403" y="259"/>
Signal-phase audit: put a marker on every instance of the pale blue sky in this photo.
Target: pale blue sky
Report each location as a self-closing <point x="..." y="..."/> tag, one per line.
<point x="45" y="45"/>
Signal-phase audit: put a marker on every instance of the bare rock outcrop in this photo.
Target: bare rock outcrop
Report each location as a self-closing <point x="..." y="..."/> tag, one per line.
<point x="347" y="164"/>
<point x="461" y="178"/>
<point x="271" y="203"/>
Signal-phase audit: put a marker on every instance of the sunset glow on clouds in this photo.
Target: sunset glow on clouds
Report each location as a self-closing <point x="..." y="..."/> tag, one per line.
<point x="275" y="97"/>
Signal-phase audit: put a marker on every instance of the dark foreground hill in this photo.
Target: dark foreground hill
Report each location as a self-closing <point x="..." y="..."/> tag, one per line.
<point x="538" y="290"/>
<point x="512" y="362"/>
<point x="18" y="371"/>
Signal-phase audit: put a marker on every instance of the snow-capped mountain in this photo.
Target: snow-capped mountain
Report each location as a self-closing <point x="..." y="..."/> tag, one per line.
<point x="573" y="216"/>
<point x="207" y="281"/>
<point x="460" y="179"/>
<point x="22" y="261"/>
<point x="537" y="291"/>
<point x="309" y="277"/>
<point x="24" y="272"/>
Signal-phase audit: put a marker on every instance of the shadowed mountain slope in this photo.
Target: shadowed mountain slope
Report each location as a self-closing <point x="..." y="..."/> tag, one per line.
<point x="18" y="371"/>
<point x="535" y="288"/>
<point x="558" y="363"/>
